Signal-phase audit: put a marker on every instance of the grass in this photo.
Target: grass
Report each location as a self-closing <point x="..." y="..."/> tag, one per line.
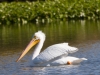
<point x="46" y="11"/>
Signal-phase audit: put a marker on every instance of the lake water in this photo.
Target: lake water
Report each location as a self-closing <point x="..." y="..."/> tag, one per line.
<point x="84" y="35"/>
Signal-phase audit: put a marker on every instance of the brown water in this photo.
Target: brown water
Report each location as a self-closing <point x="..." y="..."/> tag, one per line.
<point x="84" y="35"/>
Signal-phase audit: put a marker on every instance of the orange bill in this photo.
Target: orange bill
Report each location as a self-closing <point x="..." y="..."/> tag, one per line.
<point x="30" y="45"/>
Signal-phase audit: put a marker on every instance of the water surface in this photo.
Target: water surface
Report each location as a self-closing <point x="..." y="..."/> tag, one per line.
<point x="84" y="35"/>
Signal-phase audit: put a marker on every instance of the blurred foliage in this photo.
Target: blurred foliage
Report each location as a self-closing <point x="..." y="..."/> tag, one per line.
<point x="17" y="0"/>
<point x="48" y="10"/>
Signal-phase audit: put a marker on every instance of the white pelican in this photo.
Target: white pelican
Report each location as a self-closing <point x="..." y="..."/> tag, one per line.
<point x="51" y="56"/>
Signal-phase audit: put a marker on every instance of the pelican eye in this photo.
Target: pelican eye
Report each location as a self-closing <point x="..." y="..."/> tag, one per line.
<point x="36" y="38"/>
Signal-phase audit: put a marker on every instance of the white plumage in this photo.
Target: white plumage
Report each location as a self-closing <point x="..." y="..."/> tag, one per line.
<point x="53" y="55"/>
<point x="54" y="51"/>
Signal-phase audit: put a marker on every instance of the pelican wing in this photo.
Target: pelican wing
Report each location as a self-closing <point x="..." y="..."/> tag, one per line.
<point x="54" y="51"/>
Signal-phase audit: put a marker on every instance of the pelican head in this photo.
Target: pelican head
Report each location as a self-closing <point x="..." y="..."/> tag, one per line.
<point x="38" y="37"/>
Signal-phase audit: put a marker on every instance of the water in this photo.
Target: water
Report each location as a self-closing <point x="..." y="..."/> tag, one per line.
<point x="84" y="35"/>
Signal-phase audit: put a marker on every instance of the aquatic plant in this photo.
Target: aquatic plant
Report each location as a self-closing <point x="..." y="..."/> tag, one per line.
<point x="41" y="11"/>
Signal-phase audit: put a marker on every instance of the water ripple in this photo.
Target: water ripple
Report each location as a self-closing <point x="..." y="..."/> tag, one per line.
<point x="8" y="66"/>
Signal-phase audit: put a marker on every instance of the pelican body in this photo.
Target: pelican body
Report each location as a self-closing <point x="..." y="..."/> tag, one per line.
<point x="53" y="55"/>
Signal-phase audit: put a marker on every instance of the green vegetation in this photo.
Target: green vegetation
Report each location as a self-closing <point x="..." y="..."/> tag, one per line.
<point x="41" y="11"/>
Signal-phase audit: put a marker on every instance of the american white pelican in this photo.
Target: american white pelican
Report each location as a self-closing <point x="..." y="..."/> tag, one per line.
<point x="51" y="56"/>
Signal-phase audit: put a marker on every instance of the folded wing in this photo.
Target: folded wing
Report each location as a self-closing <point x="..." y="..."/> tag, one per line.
<point x="53" y="52"/>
